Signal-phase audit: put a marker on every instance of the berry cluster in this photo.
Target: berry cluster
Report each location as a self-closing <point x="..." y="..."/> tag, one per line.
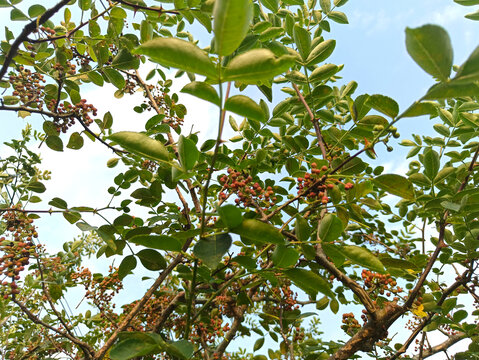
<point x="210" y="330"/>
<point x="246" y="190"/>
<point x="166" y="104"/>
<point x="100" y="289"/>
<point x="17" y="251"/>
<point x="27" y="86"/>
<point x="380" y="284"/>
<point x="310" y="181"/>
<point x="69" y="69"/>
<point x="316" y="183"/>
<point x="81" y="110"/>
<point x="350" y="324"/>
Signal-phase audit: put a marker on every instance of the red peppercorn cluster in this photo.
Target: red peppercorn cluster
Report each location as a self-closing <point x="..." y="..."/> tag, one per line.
<point x="350" y="325"/>
<point x="81" y="109"/>
<point x="246" y="190"/>
<point x="27" y="86"/>
<point x="310" y="179"/>
<point x="210" y="330"/>
<point x="317" y="188"/>
<point x="16" y="252"/>
<point x="69" y="69"/>
<point x="380" y="284"/>
<point x="100" y="289"/>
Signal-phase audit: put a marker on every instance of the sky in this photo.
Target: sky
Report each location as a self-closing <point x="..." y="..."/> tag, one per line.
<point x="372" y="47"/>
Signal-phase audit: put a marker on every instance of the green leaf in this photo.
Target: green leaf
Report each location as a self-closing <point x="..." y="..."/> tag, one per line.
<point x="181" y="349"/>
<point x="473" y="16"/>
<point x="37" y="187"/>
<point x="159" y="242"/>
<point x="75" y="142"/>
<point x="339" y="17"/>
<point x="396" y="185"/>
<point x="443" y="174"/>
<point x="325" y="5"/>
<point x="302" y="39"/>
<point x="131" y="348"/>
<point x="259" y="232"/>
<point x="124" y="60"/>
<point x="302" y="229"/>
<point x="211" y="250"/>
<point x="179" y="54"/>
<point x="467" y="2"/>
<point x="126" y="266"/>
<point x="151" y="259"/>
<point x="59" y="203"/>
<point x="244" y="106"/>
<point x="321" y="52"/>
<point x="419" y="179"/>
<point x="115" y="77"/>
<point x="330" y="228"/>
<point x="54" y="143"/>
<point x="419" y="109"/>
<point x="362" y="256"/>
<point x="309" y="282"/>
<point x="18" y="15"/>
<point x="256" y="65"/>
<point x="95" y="78"/>
<point x="71" y="216"/>
<point x="397" y="263"/>
<point x="323" y="72"/>
<point x="339" y="3"/>
<point x="203" y="91"/>
<point x="354" y="166"/>
<point x="469" y="71"/>
<point x="431" y="163"/>
<point x="430" y="47"/>
<point x="188" y="153"/>
<point x="230" y="215"/>
<point x="231" y="23"/>
<point x="36" y="10"/>
<point x="258" y="344"/>
<point x="383" y="104"/>
<point x="451" y="90"/>
<point x="284" y="257"/>
<point x="271" y="5"/>
<point x="141" y="144"/>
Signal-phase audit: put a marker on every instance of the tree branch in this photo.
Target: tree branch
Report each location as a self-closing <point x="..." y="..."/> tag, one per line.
<point x="27" y="30"/>
<point x="87" y="350"/>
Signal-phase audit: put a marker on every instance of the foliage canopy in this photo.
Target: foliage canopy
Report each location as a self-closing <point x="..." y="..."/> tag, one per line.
<point x="252" y="237"/>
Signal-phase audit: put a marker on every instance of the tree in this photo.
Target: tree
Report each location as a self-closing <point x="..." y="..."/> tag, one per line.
<point x="286" y="216"/>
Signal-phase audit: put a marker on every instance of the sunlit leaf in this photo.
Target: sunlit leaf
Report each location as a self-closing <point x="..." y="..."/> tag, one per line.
<point x="231" y="23"/>
<point x="179" y="54"/>
<point x="256" y="65"/>
<point x="244" y="106"/>
<point x="141" y="144"/>
<point x="362" y="256"/>
<point x="430" y="47"/>
<point x="396" y="185"/>
<point x="203" y="91"/>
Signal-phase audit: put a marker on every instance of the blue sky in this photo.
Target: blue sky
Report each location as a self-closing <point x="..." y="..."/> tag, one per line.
<point x="372" y="47"/>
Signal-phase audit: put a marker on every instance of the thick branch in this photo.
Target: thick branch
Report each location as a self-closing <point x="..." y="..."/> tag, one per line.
<point x="87" y="350"/>
<point x="441" y="347"/>
<point x="362" y="295"/>
<point x="27" y="30"/>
